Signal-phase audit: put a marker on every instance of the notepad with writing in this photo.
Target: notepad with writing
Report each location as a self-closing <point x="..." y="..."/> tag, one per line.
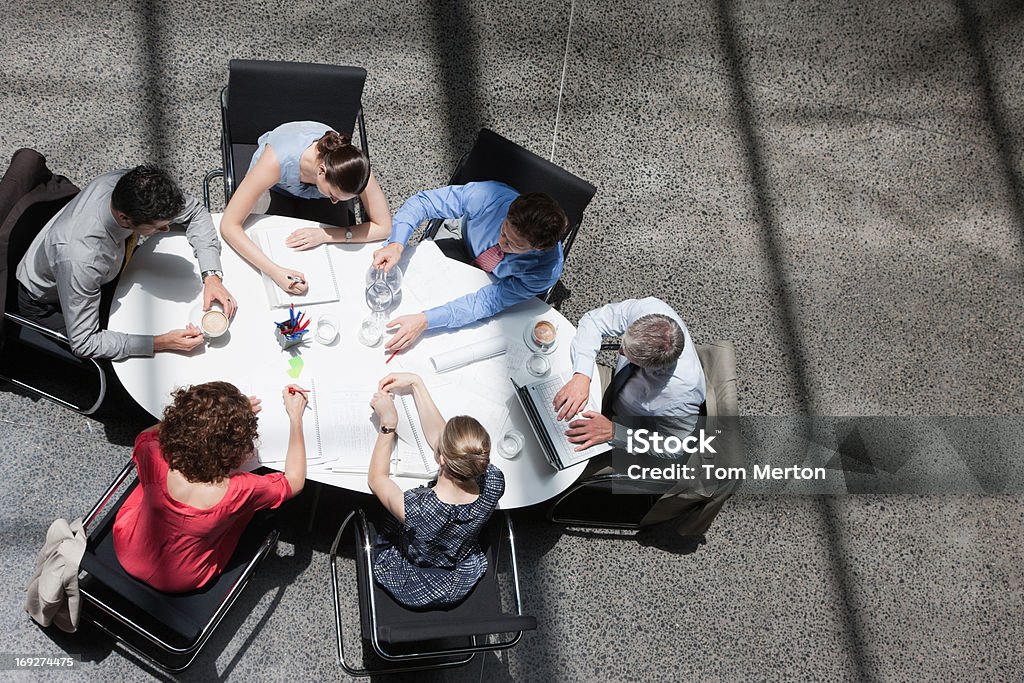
<point x="315" y="264"/>
<point x="413" y="456"/>
<point x="345" y="428"/>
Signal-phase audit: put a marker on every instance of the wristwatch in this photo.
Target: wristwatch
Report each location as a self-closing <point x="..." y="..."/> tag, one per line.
<point x="387" y="430"/>
<point x="207" y="273"/>
<point x="348" y="235"/>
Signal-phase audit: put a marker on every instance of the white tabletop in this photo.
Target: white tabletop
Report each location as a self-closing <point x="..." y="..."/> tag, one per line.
<point x="160" y="290"/>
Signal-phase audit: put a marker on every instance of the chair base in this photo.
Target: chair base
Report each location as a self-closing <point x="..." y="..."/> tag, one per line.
<point x="37" y="347"/>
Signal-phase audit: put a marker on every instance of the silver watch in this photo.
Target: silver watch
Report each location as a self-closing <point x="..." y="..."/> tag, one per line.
<point x="207" y="273"/>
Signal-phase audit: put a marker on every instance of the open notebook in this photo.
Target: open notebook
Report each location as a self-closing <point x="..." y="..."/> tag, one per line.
<point x="315" y="264"/>
<point x="413" y="455"/>
<point x="338" y="429"/>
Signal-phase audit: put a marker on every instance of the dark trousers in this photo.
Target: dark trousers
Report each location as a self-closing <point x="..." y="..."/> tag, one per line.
<point x="49" y="316"/>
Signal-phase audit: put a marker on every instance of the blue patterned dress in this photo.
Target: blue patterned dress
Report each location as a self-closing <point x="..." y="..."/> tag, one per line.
<point x="434" y="559"/>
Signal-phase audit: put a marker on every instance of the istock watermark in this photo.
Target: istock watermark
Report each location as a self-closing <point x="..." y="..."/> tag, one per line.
<point x="647" y="442"/>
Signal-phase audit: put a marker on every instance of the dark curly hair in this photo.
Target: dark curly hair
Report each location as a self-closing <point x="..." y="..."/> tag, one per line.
<point x="147" y="194"/>
<point x="539" y="219"/>
<point x="208" y="431"/>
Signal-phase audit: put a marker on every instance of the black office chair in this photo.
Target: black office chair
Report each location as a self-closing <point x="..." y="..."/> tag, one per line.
<point x="691" y="506"/>
<point x="260" y="96"/>
<point x="30" y="195"/>
<point x="496" y="158"/>
<point x="402" y="639"/>
<point x="164" y="629"/>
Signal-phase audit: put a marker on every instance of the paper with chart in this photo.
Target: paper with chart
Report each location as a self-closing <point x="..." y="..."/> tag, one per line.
<point x="346" y="430"/>
<point x="315" y="264"/>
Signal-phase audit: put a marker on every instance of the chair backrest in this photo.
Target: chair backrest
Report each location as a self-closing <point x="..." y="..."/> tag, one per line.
<point x="30" y="195"/>
<point x="496" y="158"/>
<point x="261" y="95"/>
<point x="478" y="614"/>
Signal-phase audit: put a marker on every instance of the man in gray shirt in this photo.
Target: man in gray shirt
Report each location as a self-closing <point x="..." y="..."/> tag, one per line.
<point x="83" y="248"/>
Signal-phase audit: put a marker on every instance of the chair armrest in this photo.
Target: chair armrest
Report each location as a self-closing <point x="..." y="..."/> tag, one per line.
<point x="210" y="175"/>
<point x="128" y="469"/>
<point x="36" y="327"/>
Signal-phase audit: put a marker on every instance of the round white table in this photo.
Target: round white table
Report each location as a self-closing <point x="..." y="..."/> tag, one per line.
<point x="160" y="290"/>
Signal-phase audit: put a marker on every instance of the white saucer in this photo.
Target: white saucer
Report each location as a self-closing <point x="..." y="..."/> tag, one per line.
<point x="532" y="345"/>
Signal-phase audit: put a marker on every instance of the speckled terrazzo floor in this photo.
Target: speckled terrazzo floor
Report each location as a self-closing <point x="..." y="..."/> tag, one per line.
<point x="834" y="186"/>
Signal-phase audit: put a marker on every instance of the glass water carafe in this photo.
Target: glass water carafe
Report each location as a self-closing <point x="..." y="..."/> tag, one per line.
<point x="383" y="293"/>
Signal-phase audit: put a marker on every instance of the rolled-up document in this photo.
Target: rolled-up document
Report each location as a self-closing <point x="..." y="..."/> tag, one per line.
<point x="462" y="356"/>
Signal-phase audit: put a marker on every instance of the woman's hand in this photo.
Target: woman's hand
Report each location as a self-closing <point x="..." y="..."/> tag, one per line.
<point x="294" y="401"/>
<point x="384" y="405"/>
<point x="291" y="281"/>
<point x="306" y="238"/>
<point x="256" y="404"/>
<point x="399" y="380"/>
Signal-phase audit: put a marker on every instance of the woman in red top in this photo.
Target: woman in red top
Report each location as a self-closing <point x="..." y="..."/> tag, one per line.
<point x="179" y="527"/>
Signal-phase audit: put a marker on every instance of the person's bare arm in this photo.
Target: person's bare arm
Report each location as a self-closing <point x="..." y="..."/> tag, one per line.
<point x="379" y="476"/>
<point x="295" y="461"/>
<point x="374" y="230"/>
<point x="430" y="417"/>
<point x="263" y="176"/>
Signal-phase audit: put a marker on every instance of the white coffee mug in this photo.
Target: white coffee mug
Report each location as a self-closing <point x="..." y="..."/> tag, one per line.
<point x="214" y="322"/>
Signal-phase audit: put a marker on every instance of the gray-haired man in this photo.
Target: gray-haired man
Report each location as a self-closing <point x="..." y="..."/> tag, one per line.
<point x="658" y="374"/>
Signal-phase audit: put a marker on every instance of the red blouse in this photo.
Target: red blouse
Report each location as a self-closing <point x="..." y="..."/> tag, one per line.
<point x="175" y="547"/>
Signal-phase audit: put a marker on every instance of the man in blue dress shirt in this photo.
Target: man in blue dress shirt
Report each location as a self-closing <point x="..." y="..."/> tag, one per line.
<point x="515" y="237"/>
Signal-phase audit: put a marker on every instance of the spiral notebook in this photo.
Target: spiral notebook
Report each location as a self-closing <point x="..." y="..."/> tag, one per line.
<point x="413" y="456"/>
<point x="315" y="264"/>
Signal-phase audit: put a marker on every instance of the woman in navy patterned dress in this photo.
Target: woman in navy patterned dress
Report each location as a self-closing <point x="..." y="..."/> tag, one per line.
<point x="429" y="552"/>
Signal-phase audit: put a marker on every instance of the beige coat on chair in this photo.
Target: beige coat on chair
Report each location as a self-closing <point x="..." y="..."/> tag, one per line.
<point x="53" y="596"/>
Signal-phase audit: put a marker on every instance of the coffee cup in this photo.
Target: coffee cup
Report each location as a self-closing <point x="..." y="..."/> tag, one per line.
<point x="544" y="333"/>
<point x="214" y="322"/>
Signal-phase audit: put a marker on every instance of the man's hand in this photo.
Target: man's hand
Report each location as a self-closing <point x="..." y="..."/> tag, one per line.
<point x="410" y="327"/>
<point x="571" y="398"/>
<point x="179" y="340"/>
<point x="594" y="429"/>
<point x="387" y="257"/>
<point x="306" y="238"/>
<point x="291" y="281"/>
<point x="256" y="404"/>
<point x="214" y="290"/>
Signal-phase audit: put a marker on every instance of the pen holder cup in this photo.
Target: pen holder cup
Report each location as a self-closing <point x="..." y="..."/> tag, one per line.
<point x="285" y="342"/>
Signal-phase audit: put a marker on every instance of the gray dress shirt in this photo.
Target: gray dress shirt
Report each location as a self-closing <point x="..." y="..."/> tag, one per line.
<point x="672" y="395"/>
<point x="82" y="248"/>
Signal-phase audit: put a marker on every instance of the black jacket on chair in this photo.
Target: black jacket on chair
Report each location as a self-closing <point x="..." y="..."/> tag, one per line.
<point x="30" y="191"/>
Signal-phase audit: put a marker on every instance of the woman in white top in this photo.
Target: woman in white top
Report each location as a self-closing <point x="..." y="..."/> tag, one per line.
<point x="308" y="160"/>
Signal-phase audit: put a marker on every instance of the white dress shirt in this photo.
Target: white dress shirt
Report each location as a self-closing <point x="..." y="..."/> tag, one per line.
<point x="673" y="392"/>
